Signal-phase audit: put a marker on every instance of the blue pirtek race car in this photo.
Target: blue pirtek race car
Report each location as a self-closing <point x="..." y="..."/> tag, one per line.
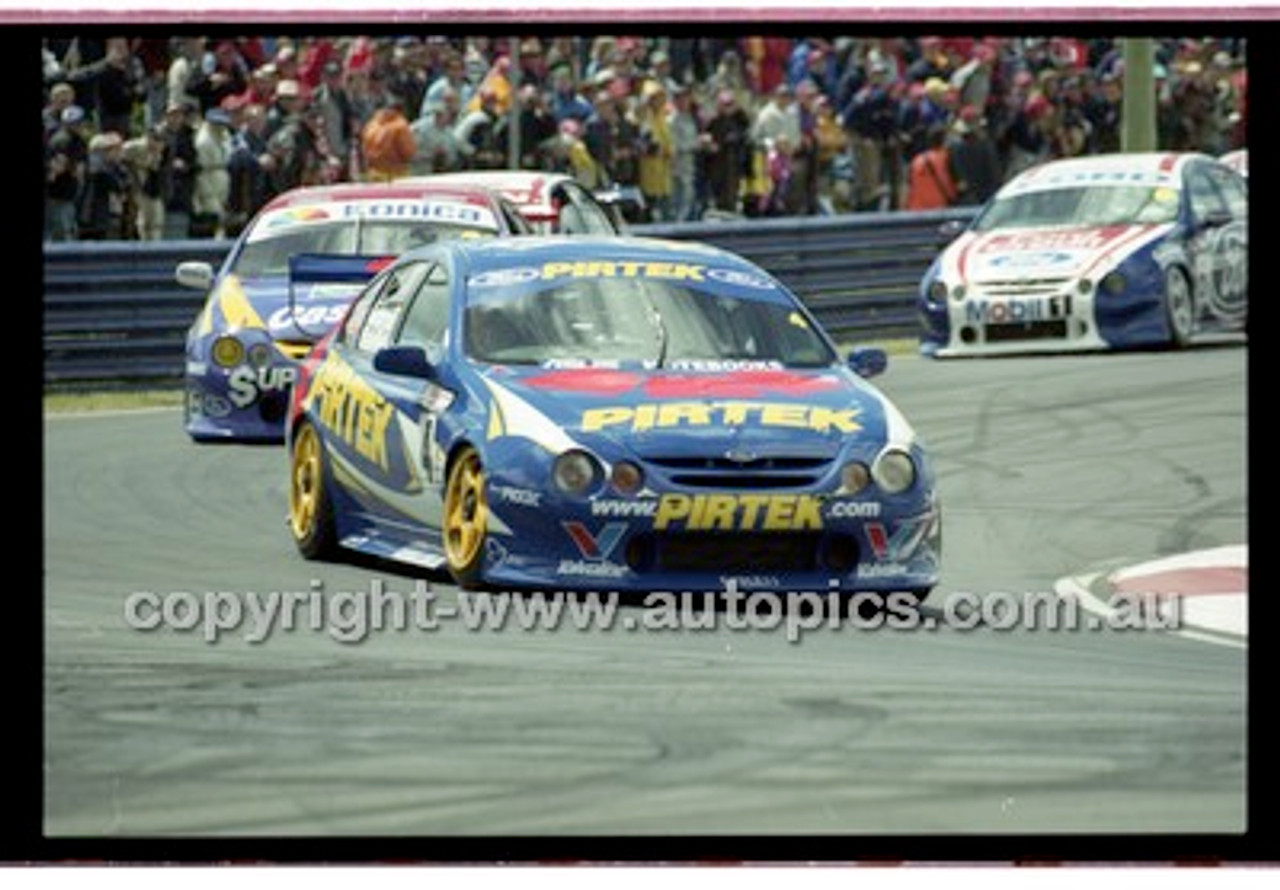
<point x="1098" y="252"/>
<point x="605" y="413"/>
<point x="275" y="295"/>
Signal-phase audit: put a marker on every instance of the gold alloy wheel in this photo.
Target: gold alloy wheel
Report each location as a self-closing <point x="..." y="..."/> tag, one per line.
<point x="304" y="484"/>
<point x="465" y="514"/>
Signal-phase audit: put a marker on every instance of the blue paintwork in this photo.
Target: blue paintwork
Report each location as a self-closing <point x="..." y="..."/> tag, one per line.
<point x="520" y="418"/>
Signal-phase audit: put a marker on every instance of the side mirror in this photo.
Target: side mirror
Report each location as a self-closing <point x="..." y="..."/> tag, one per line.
<point x="868" y="361"/>
<point x="195" y="275"/>
<point x="404" y="361"/>
<point x="950" y="230"/>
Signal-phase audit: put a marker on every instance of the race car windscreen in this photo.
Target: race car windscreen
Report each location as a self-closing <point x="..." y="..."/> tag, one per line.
<point x="1081" y="206"/>
<point x="269" y="255"/>
<point x="611" y="321"/>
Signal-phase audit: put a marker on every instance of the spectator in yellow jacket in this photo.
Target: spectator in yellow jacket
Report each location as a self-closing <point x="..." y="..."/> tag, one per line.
<point x="657" y="150"/>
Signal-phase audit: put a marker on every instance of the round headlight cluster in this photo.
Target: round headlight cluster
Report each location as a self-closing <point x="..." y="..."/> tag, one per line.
<point x="938" y="290"/>
<point x="260" y="355"/>
<point x="227" y="351"/>
<point x="1084" y="285"/>
<point x="575" y="472"/>
<point x="627" y="478"/>
<point x="893" y="471"/>
<point x="854" y="477"/>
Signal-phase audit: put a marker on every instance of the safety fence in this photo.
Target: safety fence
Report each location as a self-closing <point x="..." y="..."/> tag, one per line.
<point x="115" y="317"/>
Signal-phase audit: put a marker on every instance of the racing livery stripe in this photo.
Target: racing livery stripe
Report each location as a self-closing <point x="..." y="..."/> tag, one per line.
<point x="1125" y="244"/>
<point x="237" y="311"/>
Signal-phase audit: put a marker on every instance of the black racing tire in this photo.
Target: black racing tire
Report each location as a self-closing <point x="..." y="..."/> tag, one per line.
<point x="310" y="506"/>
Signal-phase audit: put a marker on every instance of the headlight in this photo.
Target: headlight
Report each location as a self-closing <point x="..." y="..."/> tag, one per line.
<point x="893" y="471"/>
<point x="1113" y="284"/>
<point x="957" y="292"/>
<point x="854" y="477"/>
<point x="574" y="472"/>
<point x="227" y="351"/>
<point x="260" y="355"/>
<point x="1084" y="285"/>
<point x="626" y="477"/>
<point x="938" y="290"/>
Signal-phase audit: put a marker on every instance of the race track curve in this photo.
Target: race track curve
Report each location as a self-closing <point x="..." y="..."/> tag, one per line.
<point x="1048" y="467"/>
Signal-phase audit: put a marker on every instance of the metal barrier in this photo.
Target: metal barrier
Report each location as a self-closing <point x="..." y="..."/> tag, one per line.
<point x="114" y="316"/>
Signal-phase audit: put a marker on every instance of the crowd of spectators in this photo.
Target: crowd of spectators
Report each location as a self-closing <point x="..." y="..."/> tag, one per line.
<point x="188" y="137"/>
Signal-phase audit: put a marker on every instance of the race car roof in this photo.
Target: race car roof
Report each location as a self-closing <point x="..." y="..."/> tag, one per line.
<point x="326" y="194"/>
<point x="1138" y="168"/>
<point x="525" y="188"/>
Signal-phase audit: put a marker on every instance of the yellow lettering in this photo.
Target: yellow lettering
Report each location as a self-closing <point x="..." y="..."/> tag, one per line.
<point x="630" y="269"/>
<point x="671" y="507"/>
<point x="645" y="417"/>
<point x="784" y="415"/>
<point x="556" y="270"/>
<point x="736" y="412"/>
<point x="823" y="419"/>
<point x="690" y="412"/>
<point x="808" y="513"/>
<point x="599" y="418"/>
<point x="660" y="270"/>
<point x="777" y="516"/>
<point x="751" y="504"/>
<point x="718" y="515"/>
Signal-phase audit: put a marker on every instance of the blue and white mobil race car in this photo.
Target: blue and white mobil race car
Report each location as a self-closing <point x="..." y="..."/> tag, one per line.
<point x="605" y="413"/>
<point x="1099" y="252"/>
<point x="288" y="279"/>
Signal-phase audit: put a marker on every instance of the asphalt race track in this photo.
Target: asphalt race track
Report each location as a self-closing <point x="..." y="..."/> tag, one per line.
<point x="1048" y="467"/>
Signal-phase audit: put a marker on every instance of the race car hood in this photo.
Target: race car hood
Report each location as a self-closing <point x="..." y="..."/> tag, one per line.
<point x="1044" y="253"/>
<point x="264" y="303"/>
<point x="757" y="413"/>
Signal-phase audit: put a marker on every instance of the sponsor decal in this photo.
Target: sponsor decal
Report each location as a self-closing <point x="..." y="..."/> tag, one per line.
<point x="623" y="509"/>
<point x="625" y="269"/>
<point x="590" y="569"/>
<point x="903" y="542"/>
<point x="494" y="552"/>
<point x="595" y="549"/>
<point x="740" y="279"/>
<point x="438" y="210"/>
<point x="1052" y="240"/>
<point x="1031" y="258"/>
<point x="522" y="497"/>
<point x="312" y="316"/>
<point x="207" y="404"/>
<point x="504" y="277"/>
<point x="751" y="582"/>
<point x="722" y="365"/>
<point x="695" y="414"/>
<point x="350" y="408"/>
<point x="245" y="384"/>
<point x="293" y="216"/>
<point x="853" y="510"/>
<point x="738" y="512"/>
<point x="596" y="546"/>
<point x="1016" y="311"/>
<point x="881" y="570"/>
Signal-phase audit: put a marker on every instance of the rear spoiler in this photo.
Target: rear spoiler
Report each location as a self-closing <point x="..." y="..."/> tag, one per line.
<point x="331" y="268"/>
